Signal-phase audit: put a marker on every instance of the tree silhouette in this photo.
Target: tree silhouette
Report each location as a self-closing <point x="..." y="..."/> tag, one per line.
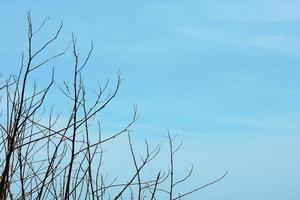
<point x="42" y="159"/>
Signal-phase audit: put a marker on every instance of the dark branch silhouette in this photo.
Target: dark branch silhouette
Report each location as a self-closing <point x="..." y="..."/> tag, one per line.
<point x="43" y="160"/>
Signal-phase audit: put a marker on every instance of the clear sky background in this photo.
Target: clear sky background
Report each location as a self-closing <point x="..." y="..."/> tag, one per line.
<point x="223" y="75"/>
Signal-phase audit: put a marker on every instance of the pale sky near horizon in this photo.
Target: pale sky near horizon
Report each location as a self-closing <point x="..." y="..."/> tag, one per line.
<point x="224" y="75"/>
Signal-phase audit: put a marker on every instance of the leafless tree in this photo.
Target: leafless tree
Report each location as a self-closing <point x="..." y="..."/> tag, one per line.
<point x="43" y="160"/>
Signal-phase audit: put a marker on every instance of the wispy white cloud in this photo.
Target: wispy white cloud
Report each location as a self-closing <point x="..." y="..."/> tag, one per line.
<point x="199" y="33"/>
<point x="248" y="11"/>
<point x="261" y="11"/>
<point x="234" y="23"/>
<point x="281" y="43"/>
<point x="286" y="43"/>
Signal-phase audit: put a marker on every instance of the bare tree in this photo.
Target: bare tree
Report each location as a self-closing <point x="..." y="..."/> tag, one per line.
<point x="44" y="160"/>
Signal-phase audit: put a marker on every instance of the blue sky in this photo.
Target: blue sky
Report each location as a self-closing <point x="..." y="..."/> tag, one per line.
<point x="223" y="75"/>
